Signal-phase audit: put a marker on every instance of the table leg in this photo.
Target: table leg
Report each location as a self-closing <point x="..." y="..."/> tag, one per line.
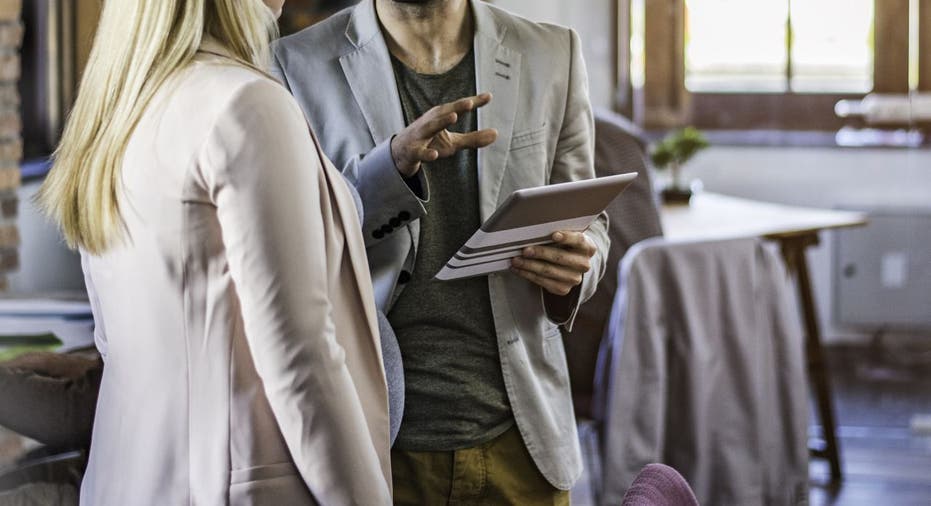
<point x="793" y="251"/>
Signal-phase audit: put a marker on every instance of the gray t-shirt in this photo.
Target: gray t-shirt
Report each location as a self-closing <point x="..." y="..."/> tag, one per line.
<point x="455" y="396"/>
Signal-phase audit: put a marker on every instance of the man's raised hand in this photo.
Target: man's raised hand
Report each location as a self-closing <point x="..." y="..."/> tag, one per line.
<point x="427" y="139"/>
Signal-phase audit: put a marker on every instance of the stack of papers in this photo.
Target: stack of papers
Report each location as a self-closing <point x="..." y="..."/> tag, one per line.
<point x="28" y="324"/>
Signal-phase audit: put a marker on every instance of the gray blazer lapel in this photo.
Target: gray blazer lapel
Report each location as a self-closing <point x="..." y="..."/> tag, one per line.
<point x="497" y="72"/>
<point x="370" y="75"/>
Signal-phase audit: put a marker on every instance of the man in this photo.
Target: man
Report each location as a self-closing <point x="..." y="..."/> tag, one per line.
<point x="488" y="414"/>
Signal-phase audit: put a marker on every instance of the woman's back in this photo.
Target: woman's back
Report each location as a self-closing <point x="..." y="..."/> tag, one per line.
<point x="224" y="316"/>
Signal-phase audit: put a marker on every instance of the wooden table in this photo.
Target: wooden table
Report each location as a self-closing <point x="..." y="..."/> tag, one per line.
<point x="715" y="216"/>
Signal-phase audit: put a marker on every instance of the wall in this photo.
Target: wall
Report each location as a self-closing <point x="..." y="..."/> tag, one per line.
<point x="47" y="265"/>
<point x="821" y="177"/>
<point x="595" y="27"/>
<point x="11" y="141"/>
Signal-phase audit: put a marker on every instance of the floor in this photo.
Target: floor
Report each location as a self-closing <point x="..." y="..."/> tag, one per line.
<point x="880" y="392"/>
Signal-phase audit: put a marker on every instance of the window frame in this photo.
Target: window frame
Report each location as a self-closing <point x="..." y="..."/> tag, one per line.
<point x="664" y="102"/>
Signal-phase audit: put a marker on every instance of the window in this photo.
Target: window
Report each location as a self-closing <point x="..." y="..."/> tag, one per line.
<point x="832" y="46"/>
<point x="818" y="46"/>
<point x="56" y="46"/>
<point x="736" y="45"/>
<point x="768" y="64"/>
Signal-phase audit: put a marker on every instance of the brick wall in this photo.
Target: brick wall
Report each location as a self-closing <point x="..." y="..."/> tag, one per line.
<point x="11" y="144"/>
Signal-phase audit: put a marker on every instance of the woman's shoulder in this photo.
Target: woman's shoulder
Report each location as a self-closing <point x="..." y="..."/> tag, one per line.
<point x="211" y="93"/>
<point x="229" y="84"/>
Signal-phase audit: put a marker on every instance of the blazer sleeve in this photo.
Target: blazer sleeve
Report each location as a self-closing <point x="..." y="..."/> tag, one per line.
<point x="389" y="200"/>
<point x="260" y="167"/>
<point x="574" y="160"/>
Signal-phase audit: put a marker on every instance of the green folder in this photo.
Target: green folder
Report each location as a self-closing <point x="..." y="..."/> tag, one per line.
<point x="12" y="346"/>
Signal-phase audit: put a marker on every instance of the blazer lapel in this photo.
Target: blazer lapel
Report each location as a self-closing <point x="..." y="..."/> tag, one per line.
<point x="356" y="248"/>
<point x="371" y="78"/>
<point x="497" y="72"/>
<point x="370" y="74"/>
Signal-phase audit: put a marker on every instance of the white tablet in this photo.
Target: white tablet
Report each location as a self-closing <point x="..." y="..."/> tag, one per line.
<point x="530" y="217"/>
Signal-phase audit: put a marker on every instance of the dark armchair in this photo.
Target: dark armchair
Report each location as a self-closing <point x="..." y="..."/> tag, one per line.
<point x="619" y="148"/>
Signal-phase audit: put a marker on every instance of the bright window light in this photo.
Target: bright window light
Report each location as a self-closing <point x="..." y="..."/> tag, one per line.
<point x="832" y="45"/>
<point x="779" y="45"/>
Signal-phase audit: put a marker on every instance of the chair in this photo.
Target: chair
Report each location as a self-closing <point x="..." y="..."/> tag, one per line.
<point x="659" y="485"/>
<point x="43" y="480"/>
<point x="619" y="148"/>
<point x="50" y="398"/>
<point x="633" y="217"/>
<point x="702" y="368"/>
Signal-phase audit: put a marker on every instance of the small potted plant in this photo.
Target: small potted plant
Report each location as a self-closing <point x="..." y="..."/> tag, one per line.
<point x="673" y="152"/>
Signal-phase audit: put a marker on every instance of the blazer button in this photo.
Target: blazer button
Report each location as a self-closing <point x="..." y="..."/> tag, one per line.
<point x="378" y="234"/>
<point x="395" y="222"/>
<point x="404" y="278"/>
<point x="404" y="215"/>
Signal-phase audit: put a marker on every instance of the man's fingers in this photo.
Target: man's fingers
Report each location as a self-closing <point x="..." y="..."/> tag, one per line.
<point x="465" y="104"/>
<point x="578" y="262"/>
<point x="418" y="142"/>
<point x="473" y="140"/>
<point x="433" y="123"/>
<point x="549" y="270"/>
<point x="550" y="285"/>
<point x="482" y="99"/>
<point x="575" y="240"/>
<point x="427" y="154"/>
<point x="470" y="103"/>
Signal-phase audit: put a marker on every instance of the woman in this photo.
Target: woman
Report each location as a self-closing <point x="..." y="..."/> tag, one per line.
<point x="226" y="270"/>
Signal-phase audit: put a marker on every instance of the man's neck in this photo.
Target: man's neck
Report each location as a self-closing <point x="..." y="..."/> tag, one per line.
<point x="429" y="37"/>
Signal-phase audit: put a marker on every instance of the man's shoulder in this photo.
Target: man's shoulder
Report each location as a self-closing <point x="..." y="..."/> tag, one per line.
<point x="321" y="41"/>
<point x="523" y="33"/>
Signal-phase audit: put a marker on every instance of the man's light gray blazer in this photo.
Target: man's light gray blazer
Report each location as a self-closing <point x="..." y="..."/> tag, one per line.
<point x="340" y="72"/>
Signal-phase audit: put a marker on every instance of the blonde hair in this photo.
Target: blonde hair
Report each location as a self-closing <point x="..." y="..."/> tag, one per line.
<point x="140" y="44"/>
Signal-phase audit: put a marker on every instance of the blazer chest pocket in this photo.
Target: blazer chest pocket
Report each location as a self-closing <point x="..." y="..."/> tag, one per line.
<point x="528" y="139"/>
<point x="259" y="473"/>
<point x="268" y="484"/>
<point x="527" y="161"/>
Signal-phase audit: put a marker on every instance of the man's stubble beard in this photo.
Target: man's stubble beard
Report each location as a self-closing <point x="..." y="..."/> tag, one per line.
<point x="418" y="9"/>
<point x="418" y="4"/>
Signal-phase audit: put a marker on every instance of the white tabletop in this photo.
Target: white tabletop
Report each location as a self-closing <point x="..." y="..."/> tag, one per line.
<point x="714" y="216"/>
